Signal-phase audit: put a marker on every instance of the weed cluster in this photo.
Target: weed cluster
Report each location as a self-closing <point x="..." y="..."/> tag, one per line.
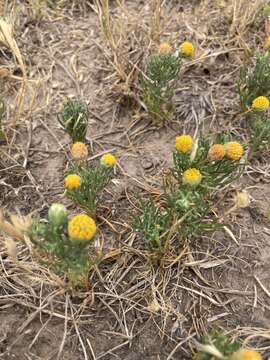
<point x="84" y="183"/>
<point x="159" y="78"/>
<point x="200" y="169"/>
<point x="63" y="242"/>
<point x="254" y="92"/>
<point x="219" y="346"/>
<point x="74" y="119"/>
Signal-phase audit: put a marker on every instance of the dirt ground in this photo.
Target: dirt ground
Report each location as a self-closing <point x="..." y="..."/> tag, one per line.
<point x="132" y="310"/>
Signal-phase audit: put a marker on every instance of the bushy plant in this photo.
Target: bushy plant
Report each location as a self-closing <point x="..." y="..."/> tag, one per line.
<point x="260" y="132"/>
<point x="74" y="119"/>
<point x="199" y="171"/>
<point x="159" y="78"/>
<point x="84" y="183"/>
<point x="218" y="346"/>
<point x="64" y="242"/>
<point x="254" y="82"/>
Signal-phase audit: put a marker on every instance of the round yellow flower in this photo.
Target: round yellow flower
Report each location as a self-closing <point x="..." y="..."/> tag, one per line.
<point x="165" y="48"/>
<point x="244" y="354"/>
<point x="268" y="42"/>
<point x="187" y="49"/>
<point x="183" y="143"/>
<point x="108" y="160"/>
<point x="216" y="152"/>
<point x="72" y="182"/>
<point x="192" y="176"/>
<point x="234" y="150"/>
<point x="81" y="228"/>
<point x="79" y="151"/>
<point x="260" y="103"/>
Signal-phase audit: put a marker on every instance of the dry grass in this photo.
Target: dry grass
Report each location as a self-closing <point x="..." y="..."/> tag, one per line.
<point x="192" y="288"/>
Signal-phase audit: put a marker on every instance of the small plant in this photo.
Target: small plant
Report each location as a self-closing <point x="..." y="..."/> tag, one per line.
<point x="158" y="83"/>
<point x="254" y="82"/>
<point x="260" y="132"/>
<point x="64" y="242"/>
<point x="152" y="224"/>
<point x="84" y="183"/>
<point x="186" y="204"/>
<point x="218" y="346"/>
<point x="74" y="119"/>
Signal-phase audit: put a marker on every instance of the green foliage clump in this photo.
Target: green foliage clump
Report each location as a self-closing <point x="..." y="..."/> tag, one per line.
<point x="158" y="84"/>
<point x="60" y="251"/>
<point x="185" y="207"/>
<point x="215" y="344"/>
<point x="74" y="119"/>
<point x="260" y="132"/>
<point x="94" y="179"/>
<point x="254" y="82"/>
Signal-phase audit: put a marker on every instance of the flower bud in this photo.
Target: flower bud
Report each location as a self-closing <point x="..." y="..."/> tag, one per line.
<point x="57" y="214"/>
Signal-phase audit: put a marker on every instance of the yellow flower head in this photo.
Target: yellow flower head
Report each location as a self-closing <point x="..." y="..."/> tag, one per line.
<point x="260" y="103"/>
<point x="268" y="42"/>
<point x="165" y="48"/>
<point x="187" y="49"/>
<point x="81" y="228"/>
<point x="244" y="354"/>
<point x="79" y="151"/>
<point x="234" y="150"/>
<point x="216" y="152"/>
<point x="72" y="182"/>
<point x="108" y="160"/>
<point x="183" y="143"/>
<point x="192" y="176"/>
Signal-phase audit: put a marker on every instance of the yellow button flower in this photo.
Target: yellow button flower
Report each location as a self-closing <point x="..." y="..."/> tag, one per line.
<point x="72" y="182"/>
<point x="216" y="152"/>
<point x="244" y="354"/>
<point x="192" y="176"/>
<point x="165" y="48"/>
<point x="81" y="228"/>
<point x="108" y="160"/>
<point x="268" y="42"/>
<point x="187" y="49"/>
<point x="79" y="151"/>
<point x="183" y="143"/>
<point x="260" y="103"/>
<point x="234" y="150"/>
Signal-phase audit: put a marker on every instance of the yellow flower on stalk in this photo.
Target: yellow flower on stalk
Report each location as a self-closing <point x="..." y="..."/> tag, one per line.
<point x="183" y="143"/>
<point x="268" y="42"/>
<point x="244" y="354"/>
<point x="192" y="177"/>
<point x="216" y="152"/>
<point x="260" y="103"/>
<point x="72" y="182"/>
<point x="187" y="49"/>
<point x="108" y="160"/>
<point x="234" y="150"/>
<point x="81" y="228"/>
<point x="79" y="151"/>
<point x="165" y="48"/>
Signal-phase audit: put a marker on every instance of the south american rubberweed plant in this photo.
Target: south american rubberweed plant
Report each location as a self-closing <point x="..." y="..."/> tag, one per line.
<point x="217" y="345"/>
<point x="93" y="180"/>
<point x="74" y="119"/>
<point x="254" y="81"/>
<point x="63" y="243"/>
<point x="259" y="125"/>
<point x="158" y="84"/>
<point x="185" y="207"/>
